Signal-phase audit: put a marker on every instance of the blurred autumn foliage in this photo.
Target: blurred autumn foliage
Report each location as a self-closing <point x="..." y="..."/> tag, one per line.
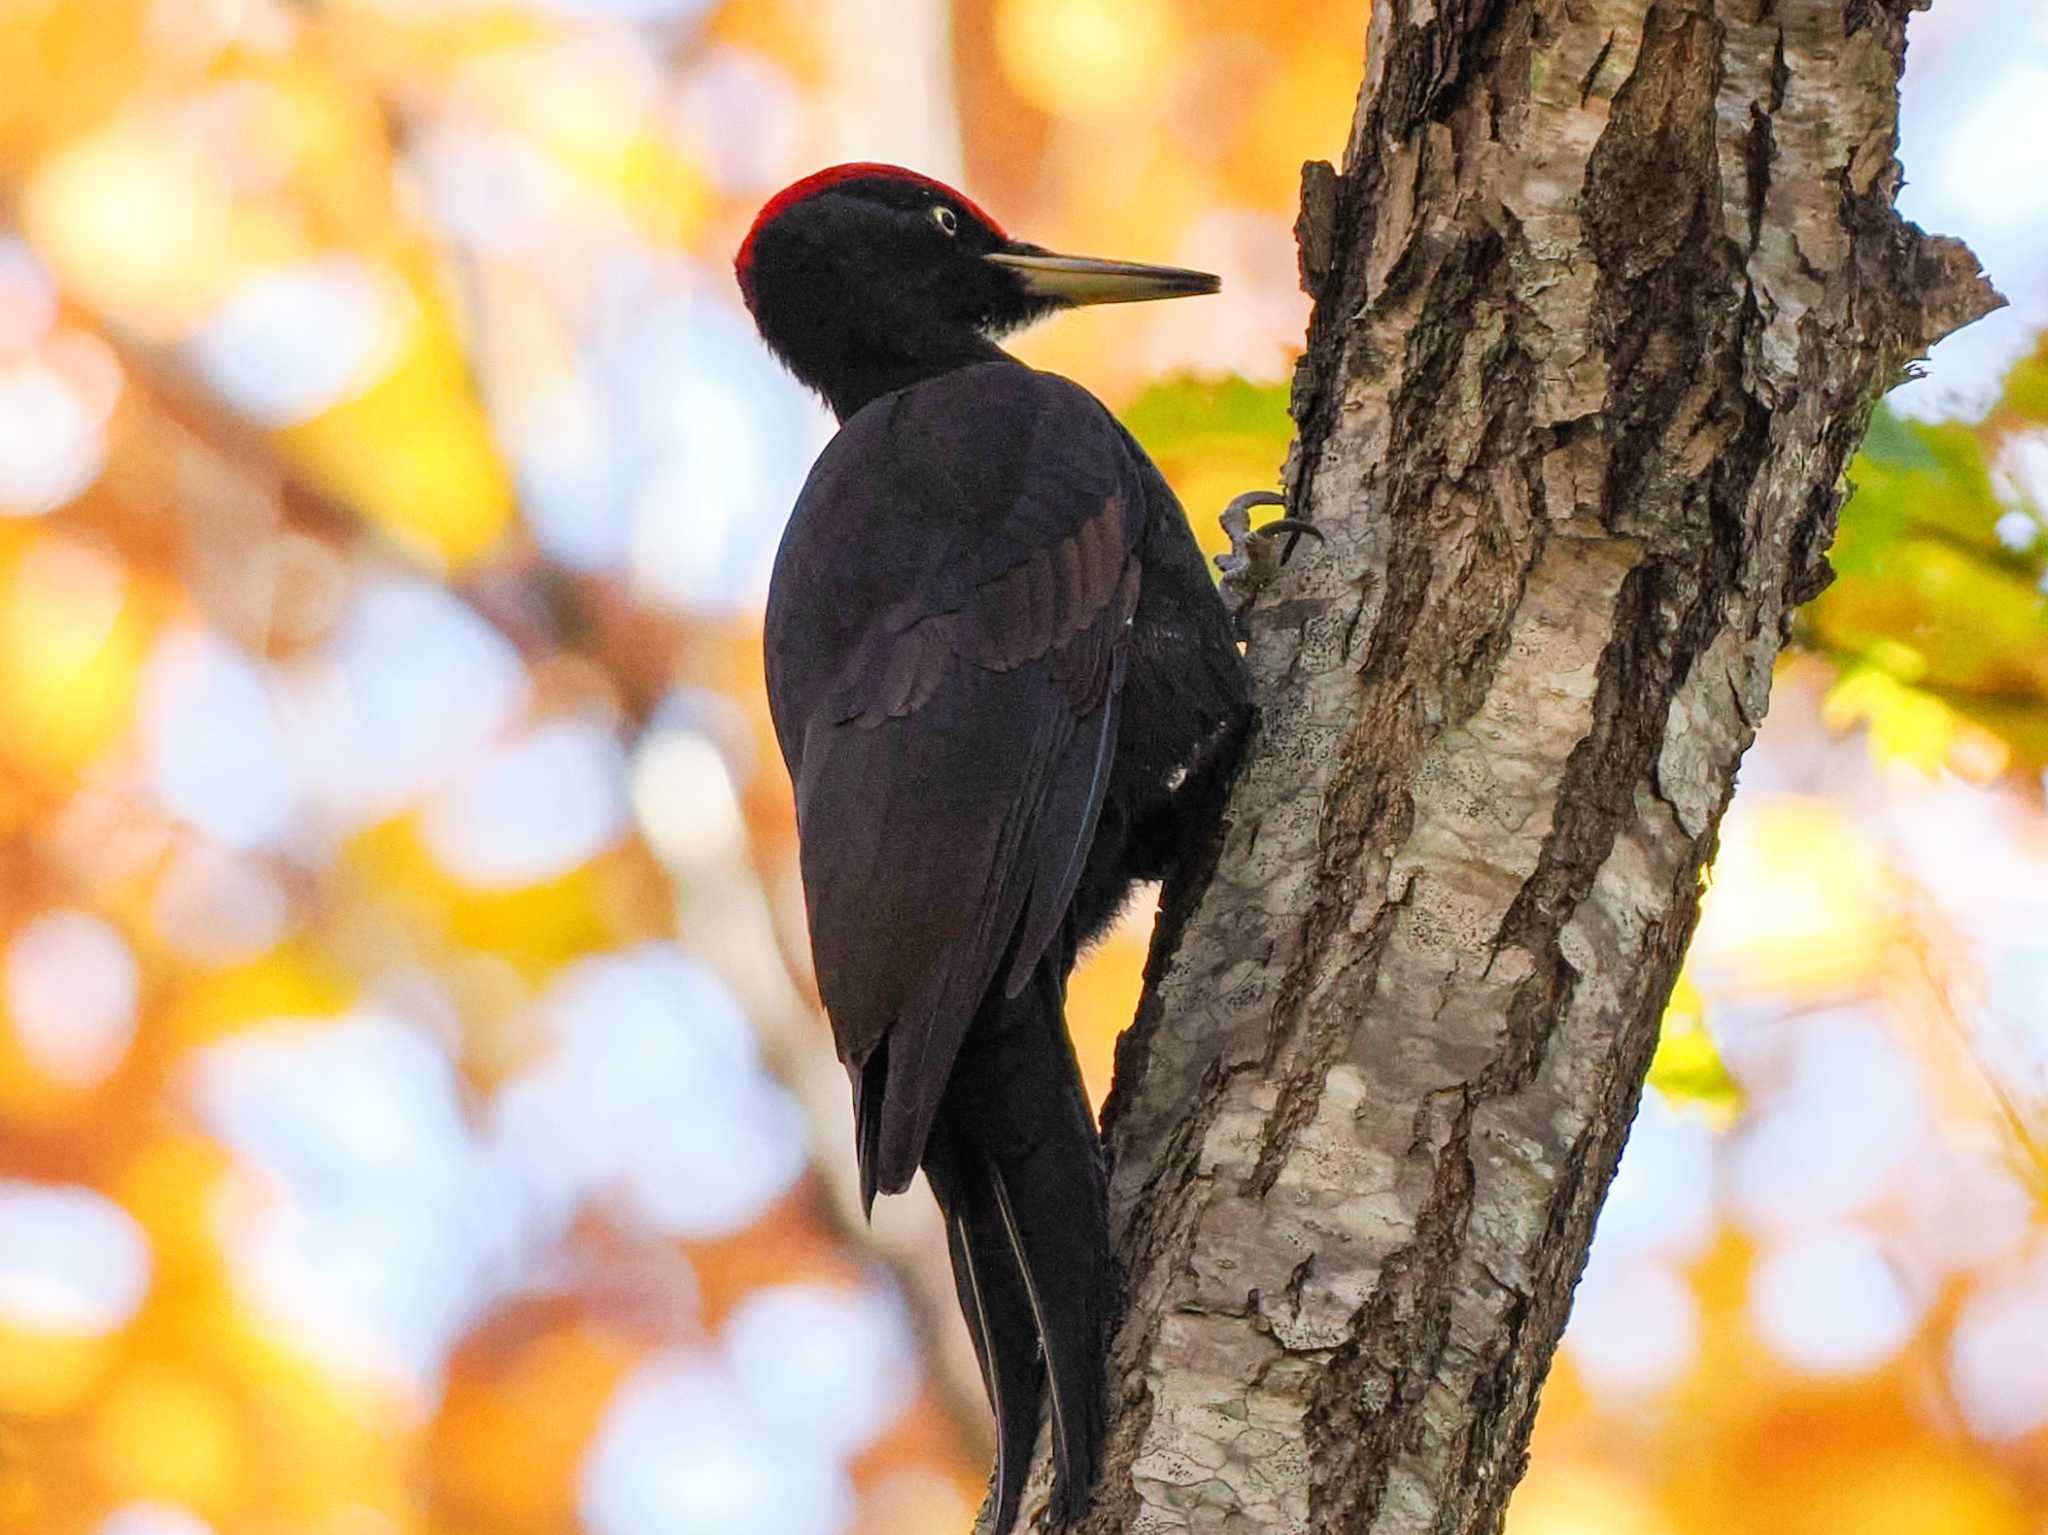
<point x="412" y="1119"/>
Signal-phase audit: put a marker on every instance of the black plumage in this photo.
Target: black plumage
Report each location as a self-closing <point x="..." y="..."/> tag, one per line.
<point x="998" y="669"/>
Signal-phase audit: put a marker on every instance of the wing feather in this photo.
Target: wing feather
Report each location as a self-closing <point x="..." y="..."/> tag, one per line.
<point x="946" y="634"/>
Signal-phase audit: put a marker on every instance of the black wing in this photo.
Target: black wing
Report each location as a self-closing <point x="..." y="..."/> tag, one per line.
<point x="946" y="636"/>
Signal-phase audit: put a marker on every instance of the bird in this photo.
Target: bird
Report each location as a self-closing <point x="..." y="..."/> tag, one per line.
<point x="1004" y="686"/>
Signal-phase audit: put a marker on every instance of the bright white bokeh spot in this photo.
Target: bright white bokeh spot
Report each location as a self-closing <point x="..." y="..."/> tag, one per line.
<point x="746" y="113"/>
<point x="71" y="987"/>
<point x="216" y="908"/>
<point x="1634" y="1328"/>
<point x="1987" y="163"/>
<point x="217" y="754"/>
<point x="391" y="1230"/>
<point x="302" y="339"/>
<point x="2010" y="1034"/>
<point x="573" y="481"/>
<point x="2017" y="530"/>
<point x="533" y="809"/>
<point x="153" y="1519"/>
<point x="1830" y="1141"/>
<point x="71" y="1260"/>
<point x="681" y="554"/>
<point x="2023" y="460"/>
<point x="1635" y="1323"/>
<point x="1998" y="1359"/>
<point x="656" y="986"/>
<point x="1832" y="1303"/>
<point x="51" y="447"/>
<point x="825" y="1366"/>
<point x="1964" y="1209"/>
<point x="413" y="686"/>
<point x="719" y="1170"/>
<point x="677" y="1454"/>
<point x="722" y="437"/>
<point x="1662" y="1197"/>
<point x="654" y="1094"/>
<point x="497" y="192"/>
<point x="684" y="797"/>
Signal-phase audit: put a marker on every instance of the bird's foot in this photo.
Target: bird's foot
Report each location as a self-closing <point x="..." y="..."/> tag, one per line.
<point x="1256" y="554"/>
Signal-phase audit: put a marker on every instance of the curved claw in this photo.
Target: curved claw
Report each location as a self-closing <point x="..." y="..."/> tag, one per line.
<point x="1241" y="506"/>
<point x="1256" y="554"/>
<point x="1293" y="525"/>
<point x="1237" y="522"/>
<point x="1237" y="517"/>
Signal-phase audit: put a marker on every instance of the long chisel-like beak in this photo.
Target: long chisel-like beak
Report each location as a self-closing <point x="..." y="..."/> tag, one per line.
<point x="1084" y="280"/>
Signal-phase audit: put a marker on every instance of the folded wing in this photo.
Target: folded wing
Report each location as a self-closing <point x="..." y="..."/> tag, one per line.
<point x="946" y="641"/>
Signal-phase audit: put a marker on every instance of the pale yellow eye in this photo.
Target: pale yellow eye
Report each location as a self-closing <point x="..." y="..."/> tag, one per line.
<point x="945" y="219"/>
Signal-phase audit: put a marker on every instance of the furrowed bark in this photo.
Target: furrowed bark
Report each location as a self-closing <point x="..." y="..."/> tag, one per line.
<point x="1604" y="295"/>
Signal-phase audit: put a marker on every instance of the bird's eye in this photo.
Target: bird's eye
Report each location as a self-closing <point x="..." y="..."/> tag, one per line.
<point x="945" y="219"/>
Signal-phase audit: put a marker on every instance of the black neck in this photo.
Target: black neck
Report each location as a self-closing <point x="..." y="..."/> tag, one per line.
<point x="862" y="374"/>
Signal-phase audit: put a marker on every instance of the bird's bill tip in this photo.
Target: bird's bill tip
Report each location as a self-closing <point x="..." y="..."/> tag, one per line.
<point x="1085" y="280"/>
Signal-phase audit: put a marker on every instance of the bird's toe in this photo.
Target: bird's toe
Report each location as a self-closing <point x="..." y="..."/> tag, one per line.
<point x="1256" y="554"/>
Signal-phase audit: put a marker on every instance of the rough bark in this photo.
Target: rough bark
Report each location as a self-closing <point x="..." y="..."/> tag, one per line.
<point x="1604" y="295"/>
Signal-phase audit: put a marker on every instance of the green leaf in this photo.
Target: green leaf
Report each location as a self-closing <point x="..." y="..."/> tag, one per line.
<point x="1937" y="607"/>
<point x="1892" y="443"/>
<point x="2026" y="386"/>
<point x="1184" y="413"/>
<point x="1213" y="438"/>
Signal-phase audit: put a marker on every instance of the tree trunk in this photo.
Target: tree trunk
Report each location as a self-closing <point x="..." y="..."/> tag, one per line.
<point x="1604" y="296"/>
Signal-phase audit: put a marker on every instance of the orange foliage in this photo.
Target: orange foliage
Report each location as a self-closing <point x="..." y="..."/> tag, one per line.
<point x="161" y="160"/>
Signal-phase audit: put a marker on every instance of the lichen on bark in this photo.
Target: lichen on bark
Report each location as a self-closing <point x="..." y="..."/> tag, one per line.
<point x="1604" y="294"/>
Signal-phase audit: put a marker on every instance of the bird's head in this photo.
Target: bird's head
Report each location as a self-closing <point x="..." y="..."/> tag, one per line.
<point x="864" y="278"/>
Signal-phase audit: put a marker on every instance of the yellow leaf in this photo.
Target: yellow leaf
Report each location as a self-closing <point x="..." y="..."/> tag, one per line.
<point x="1687" y="1067"/>
<point x="533" y="927"/>
<point x="136" y="221"/>
<point x="1072" y="58"/>
<point x="48" y="1374"/>
<point x="1800" y="901"/>
<point x="71" y="646"/>
<point x="289" y="982"/>
<point x="167" y="1433"/>
<point x="414" y="454"/>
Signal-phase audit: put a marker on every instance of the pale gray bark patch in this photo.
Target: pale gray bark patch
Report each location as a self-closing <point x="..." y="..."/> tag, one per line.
<point x="1604" y="295"/>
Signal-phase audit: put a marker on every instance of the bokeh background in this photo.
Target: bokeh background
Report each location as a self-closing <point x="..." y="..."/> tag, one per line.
<point x="414" y="1117"/>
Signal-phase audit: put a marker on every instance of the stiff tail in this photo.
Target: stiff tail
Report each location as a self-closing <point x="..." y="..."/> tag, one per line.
<point x="1016" y="1164"/>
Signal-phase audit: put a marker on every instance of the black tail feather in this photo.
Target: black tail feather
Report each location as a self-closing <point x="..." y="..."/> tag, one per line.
<point x="1067" y="1308"/>
<point x="868" y="1085"/>
<point x="1016" y="1164"/>
<point x="999" y="1320"/>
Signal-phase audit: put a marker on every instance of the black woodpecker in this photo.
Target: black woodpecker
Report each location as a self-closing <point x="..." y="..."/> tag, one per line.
<point x="1000" y="675"/>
